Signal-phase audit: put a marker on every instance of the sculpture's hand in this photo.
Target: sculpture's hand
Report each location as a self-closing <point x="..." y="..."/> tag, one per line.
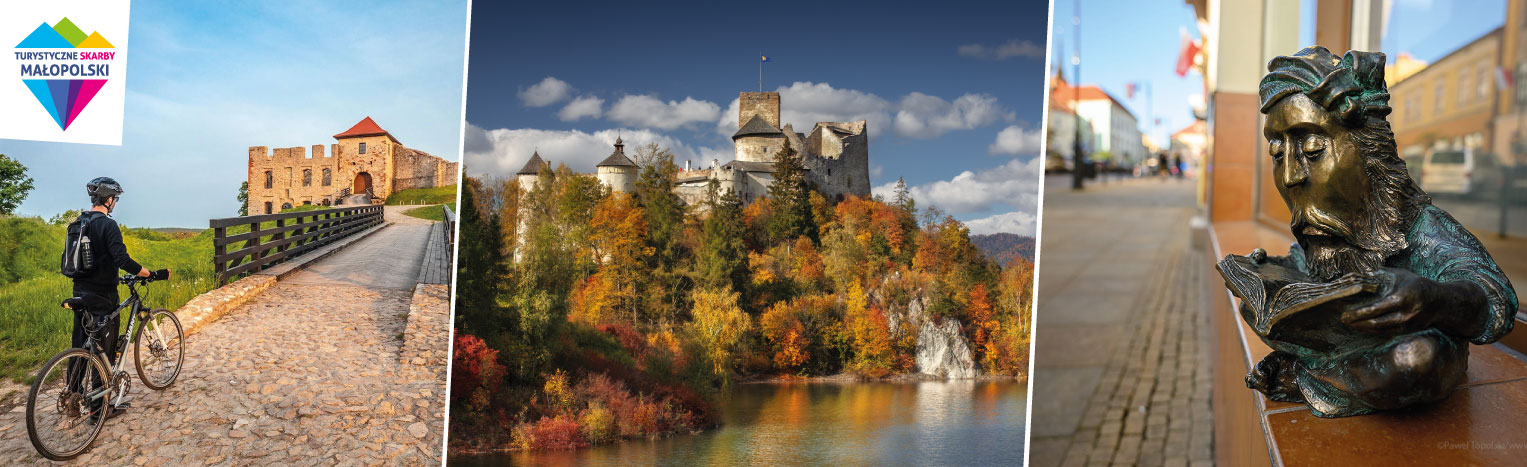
<point x="1258" y="256"/>
<point x="1406" y="308"/>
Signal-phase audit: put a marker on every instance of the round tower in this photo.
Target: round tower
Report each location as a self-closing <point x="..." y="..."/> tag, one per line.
<point x="617" y="171"/>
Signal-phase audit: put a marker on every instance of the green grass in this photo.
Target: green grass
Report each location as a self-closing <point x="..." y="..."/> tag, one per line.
<point x="433" y="213"/>
<point x="32" y="325"/>
<point x="437" y="195"/>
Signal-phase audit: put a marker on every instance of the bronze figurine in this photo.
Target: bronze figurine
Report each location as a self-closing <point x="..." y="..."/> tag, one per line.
<point x="1374" y="306"/>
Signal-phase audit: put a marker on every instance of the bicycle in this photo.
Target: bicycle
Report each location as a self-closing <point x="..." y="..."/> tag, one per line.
<point x="82" y="408"/>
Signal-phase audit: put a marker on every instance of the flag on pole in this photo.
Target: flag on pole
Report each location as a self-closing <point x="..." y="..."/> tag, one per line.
<point x="1129" y="90"/>
<point x="1189" y="53"/>
<point x="1503" y="79"/>
<point x="763" y="58"/>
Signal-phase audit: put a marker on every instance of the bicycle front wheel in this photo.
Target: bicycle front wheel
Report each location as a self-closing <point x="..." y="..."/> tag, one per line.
<point x="67" y="404"/>
<point x="158" y="350"/>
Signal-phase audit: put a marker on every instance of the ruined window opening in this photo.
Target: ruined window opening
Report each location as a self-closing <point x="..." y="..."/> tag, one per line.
<point x="267" y="207"/>
<point x="307" y="202"/>
<point x="307" y="177"/>
<point x="328" y="178"/>
<point x="363" y="148"/>
<point x="270" y="180"/>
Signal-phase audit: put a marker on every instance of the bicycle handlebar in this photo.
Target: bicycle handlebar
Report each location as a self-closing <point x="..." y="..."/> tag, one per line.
<point x="159" y="275"/>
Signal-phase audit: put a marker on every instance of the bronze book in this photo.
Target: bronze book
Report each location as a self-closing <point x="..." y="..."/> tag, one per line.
<point x="1287" y="305"/>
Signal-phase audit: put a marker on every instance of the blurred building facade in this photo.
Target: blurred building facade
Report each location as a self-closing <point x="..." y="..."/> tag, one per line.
<point x="1115" y="130"/>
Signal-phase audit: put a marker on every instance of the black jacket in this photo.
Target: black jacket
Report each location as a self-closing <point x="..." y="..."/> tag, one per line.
<point x="110" y="255"/>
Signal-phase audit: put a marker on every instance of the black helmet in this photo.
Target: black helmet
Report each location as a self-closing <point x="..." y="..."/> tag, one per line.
<point x="102" y="188"/>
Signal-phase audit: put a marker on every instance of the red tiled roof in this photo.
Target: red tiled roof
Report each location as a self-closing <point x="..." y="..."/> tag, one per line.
<point x="366" y="127"/>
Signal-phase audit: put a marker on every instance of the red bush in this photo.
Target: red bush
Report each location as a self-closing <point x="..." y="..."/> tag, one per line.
<point x="555" y="433"/>
<point x="473" y="365"/>
<point x="629" y="338"/>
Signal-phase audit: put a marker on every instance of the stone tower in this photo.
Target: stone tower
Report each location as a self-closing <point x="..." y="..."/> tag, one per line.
<point x="758" y="135"/>
<point x="532" y="169"/>
<point x="617" y="171"/>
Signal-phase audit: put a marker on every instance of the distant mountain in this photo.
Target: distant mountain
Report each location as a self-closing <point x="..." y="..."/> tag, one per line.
<point x="1003" y="247"/>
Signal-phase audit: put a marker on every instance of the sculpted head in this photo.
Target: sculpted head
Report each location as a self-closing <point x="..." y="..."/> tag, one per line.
<point x="1334" y="159"/>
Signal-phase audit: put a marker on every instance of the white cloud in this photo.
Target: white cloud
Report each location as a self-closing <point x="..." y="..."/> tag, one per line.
<point x="502" y="152"/>
<point x="924" y="116"/>
<point x="916" y="115"/>
<point x="1012" y="48"/>
<point x="1014" y="140"/>
<point x="547" y="92"/>
<point x="586" y="106"/>
<point x="1011" y="186"/>
<point x="1021" y="223"/>
<point x="651" y="112"/>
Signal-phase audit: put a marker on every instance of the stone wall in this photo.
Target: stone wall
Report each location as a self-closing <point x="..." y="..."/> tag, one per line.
<point x="838" y="156"/>
<point x="297" y="179"/>
<point x="758" y="103"/>
<point x="759" y="148"/>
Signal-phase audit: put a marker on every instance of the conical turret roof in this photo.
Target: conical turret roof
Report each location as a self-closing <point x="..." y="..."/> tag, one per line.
<point x="533" y="166"/>
<point x="617" y="158"/>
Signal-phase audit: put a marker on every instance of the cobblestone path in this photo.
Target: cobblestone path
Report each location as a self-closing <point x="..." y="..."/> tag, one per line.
<point x="309" y="372"/>
<point x="1122" y="344"/>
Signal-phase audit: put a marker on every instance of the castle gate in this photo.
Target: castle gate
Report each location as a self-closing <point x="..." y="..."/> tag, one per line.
<point x="362" y="183"/>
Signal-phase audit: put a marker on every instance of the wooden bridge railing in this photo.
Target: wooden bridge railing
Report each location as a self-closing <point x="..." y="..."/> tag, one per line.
<point x="273" y="238"/>
<point x="450" y="241"/>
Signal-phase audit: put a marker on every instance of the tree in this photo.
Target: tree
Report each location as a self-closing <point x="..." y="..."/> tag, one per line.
<point x="791" y="192"/>
<point x="722" y="260"/>
<point x="479" y="269"/>
<point x="903" y="198"/>
<point x="14" y="185"/>
<point x="718" y="325"/>
<point x="618" y="231"/>
<point x="244" y="198"/>
<point x="670" y="262"/>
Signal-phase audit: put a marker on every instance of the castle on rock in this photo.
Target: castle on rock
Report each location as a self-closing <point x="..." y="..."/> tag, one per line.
<point x="835" y="155"/>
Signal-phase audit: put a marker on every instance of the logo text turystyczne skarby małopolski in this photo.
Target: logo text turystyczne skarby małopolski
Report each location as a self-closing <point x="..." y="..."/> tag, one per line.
<point x="64" y="68"/>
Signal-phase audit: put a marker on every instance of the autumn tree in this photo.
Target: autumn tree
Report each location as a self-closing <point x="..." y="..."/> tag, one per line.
<point x="618" y="232"/>
<point x="718" y="326"/>
<point x="508" y="211"/>
<point x="544" y="276"/>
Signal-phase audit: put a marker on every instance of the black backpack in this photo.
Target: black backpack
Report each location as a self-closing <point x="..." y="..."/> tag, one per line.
<point x="78" y="261"/>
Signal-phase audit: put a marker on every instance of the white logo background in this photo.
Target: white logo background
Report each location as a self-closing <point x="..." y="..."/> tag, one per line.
<point x="21" y="116"/>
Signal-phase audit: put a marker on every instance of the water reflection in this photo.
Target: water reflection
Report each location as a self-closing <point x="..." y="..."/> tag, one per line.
<point x="927" y="423"/>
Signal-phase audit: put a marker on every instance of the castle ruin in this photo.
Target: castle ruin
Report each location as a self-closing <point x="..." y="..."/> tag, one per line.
<point x="835" y="155"/>
<point x="363" y="166"/>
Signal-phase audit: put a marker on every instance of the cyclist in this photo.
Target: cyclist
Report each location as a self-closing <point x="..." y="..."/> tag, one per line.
<point x="98" y="287"/>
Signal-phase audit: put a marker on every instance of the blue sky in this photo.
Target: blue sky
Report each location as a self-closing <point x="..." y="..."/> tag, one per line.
<point x="953" y="92"/>
<point x="1427" y="29"/>
<point x="208" y="80"/>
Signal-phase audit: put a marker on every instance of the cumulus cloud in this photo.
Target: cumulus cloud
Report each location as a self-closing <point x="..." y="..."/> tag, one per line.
<point x="585" y="106"/>
<point x="1012" y="48"/>
<point x="924" y="116"/>
<point x="651" y="112"/>
<point x="1021" y="223"/>
<point x="1013" y="186"/>
<point x="916" y="115"/>
<point x="502" y="152"/>
<point x="547" y="92"/>
<point x="1014" y="140"/>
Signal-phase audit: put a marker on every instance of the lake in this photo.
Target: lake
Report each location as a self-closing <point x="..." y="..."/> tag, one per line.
<point x="840" y="424"/>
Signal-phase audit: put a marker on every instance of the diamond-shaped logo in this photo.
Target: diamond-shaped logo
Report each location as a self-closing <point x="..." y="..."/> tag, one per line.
<point x="64" y="99"/>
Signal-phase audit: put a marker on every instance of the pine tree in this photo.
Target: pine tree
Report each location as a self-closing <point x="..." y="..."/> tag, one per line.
<point x="903" y="199"/>
<point x="791" y="192"/>
<point x="723" y="257"/>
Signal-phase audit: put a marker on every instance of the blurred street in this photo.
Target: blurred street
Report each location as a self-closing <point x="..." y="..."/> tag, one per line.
<point x="1122" y="372"/>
